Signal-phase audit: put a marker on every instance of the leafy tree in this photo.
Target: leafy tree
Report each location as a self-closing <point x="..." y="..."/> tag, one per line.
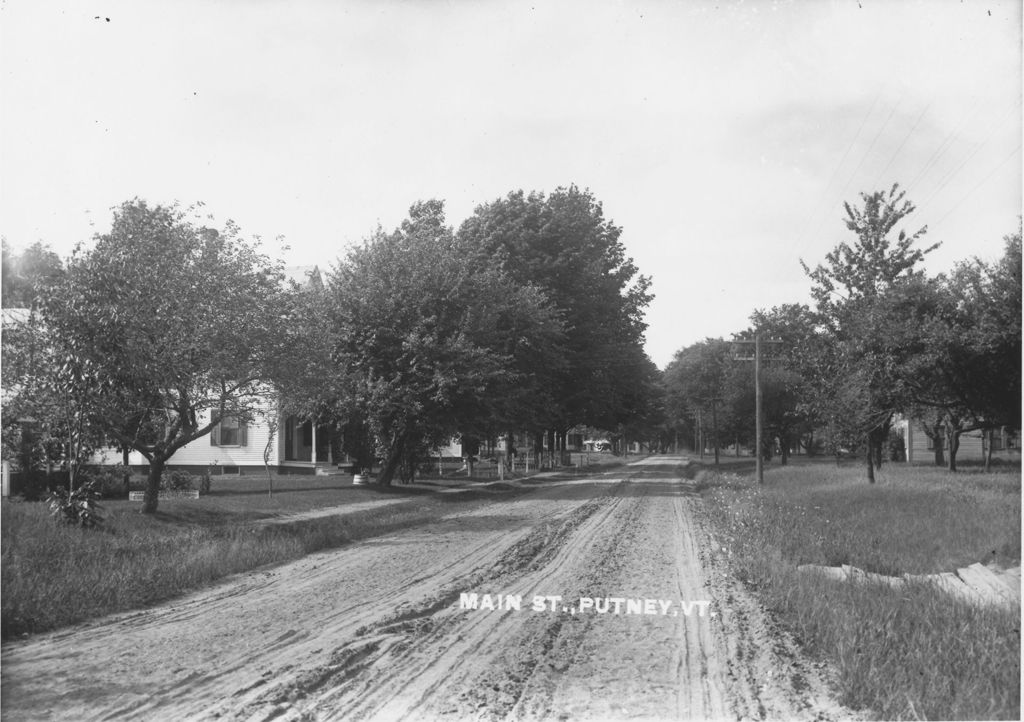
<point x="991" y="293"/>
<point x="27" y="273"/>
<point x="861" y="390"/>
<point x="873" y="262"/>
<point x="429" y="342"/>
<point x="963" y="368"/>
<point x="792" y="372"/>
<point x="698" y="379"/>
<point x="562" y="244"/>
<point x="167" y="327"/>
<point x="47" y="404"/>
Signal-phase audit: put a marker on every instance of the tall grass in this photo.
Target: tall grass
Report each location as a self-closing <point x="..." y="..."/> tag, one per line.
<point x="906" y="653"/>
<point x="55" y="575"/>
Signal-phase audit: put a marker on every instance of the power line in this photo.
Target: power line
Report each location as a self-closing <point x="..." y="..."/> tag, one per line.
<point x="980" y="183"/>
<point x="895" y="155"/>
<point x="871" y="147"/>
<point x="945" y="180"/>
<point x="946" y="144"/>
<point x="819" y="203"/>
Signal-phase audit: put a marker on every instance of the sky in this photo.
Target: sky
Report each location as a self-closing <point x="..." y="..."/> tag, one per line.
<point x="722" y="137"/>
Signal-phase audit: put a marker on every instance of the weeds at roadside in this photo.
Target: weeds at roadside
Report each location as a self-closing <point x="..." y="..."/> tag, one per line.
<point x="53" y="575"/>
<point x="911" y="652"/>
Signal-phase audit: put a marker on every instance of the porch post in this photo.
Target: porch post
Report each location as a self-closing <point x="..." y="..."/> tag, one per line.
<point x="312" y="453"/>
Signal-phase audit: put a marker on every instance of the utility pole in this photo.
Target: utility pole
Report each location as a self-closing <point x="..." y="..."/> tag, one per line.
<point x="758" y="398"/>
<point x="758" y="401"/>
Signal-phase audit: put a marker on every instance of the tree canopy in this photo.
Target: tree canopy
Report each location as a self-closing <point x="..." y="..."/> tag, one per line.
<point x="168" y="326"/>
<point x="430" y="343"/>
<point x="562" y="244"/>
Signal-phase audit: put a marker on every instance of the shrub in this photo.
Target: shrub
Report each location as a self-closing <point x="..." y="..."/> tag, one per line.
<point x="110" y="480"/>
<point x="204" y="481"/>
<point x="80" y="507"/>
<point x="177" y="480"/>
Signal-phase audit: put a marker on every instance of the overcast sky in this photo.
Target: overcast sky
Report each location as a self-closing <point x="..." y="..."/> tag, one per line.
<point x="723" y="137"/>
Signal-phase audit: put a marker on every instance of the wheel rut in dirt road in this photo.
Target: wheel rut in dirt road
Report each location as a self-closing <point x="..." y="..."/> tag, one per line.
<point x="378" y="630"/>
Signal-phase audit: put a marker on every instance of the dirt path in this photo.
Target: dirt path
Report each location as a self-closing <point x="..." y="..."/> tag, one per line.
<point x="384" y="629"/>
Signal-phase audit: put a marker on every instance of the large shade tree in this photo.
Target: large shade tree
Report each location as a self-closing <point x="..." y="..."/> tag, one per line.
<point x="563" y="244"/>
<point x="170" y="326"/>
<point x="429" y="343"/>
<point x="964" y="343"/>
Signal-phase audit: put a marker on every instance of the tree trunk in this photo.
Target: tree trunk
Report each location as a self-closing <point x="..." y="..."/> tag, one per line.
<point x="784" y="446"/>
<point x="551" y="448"/>
<point x="871" y="465"/>
<point x="954" y="445"/>
<point x="936" y="435"/>
<point x="392" y="462"/>
<point x="877" y="449"/>
<point x="988" y="449"/>
<point x="152" y="496"/>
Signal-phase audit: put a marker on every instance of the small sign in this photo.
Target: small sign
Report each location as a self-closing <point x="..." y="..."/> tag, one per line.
<point x="188" y="494"/>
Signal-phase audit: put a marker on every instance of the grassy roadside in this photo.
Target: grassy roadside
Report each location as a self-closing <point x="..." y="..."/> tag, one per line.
<point x="54" y="576"/>
<point x="898" y="653"/>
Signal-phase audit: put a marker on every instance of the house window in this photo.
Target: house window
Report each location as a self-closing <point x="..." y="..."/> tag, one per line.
<point x="932" y="441"/>
<point x="231" y="431"/>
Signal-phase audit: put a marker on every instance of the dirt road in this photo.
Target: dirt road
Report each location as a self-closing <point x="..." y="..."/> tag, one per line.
<point x="645" y="627"/>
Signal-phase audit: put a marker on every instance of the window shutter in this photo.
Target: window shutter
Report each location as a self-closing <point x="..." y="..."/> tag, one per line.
<point x="243" y="433"/>
<point x="215" y="436"/>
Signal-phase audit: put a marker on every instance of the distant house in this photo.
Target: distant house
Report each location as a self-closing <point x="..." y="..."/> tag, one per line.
<point x="232" y="447"/>
<point x="920" y="448"/>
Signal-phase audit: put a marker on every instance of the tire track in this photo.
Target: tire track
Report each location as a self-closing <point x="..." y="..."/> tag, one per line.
<point x="374" y="631"/>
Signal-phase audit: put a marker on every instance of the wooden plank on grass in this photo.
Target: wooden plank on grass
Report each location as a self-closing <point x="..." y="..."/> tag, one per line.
<point x="986" y="583"/>
<point x="954" y="585"/>
<point x="188" y="494"/>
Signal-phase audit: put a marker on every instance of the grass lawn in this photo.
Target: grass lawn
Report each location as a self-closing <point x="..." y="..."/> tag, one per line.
<point x="899" y="653"/>
<point x="54" y="575"/>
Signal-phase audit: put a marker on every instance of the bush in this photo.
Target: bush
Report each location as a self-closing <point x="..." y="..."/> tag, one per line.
<point x="177" y="480"/>
<point x="30" y="484"/>
<point x="205" y="482"/>
<point x="110" y="480"/>
<point x="80" y="507"/>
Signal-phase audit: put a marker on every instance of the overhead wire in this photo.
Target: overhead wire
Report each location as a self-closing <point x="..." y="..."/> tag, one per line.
<point x="980" y="183"/>
<point x="949" y="176"/>
<point x="819" y="206"/>
<point x="871" y="147"/>
<point x="892" y="159"/>
<point x="946" y="144"/>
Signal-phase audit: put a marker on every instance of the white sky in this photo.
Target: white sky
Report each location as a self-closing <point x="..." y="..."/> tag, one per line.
<point x="722" y="136"/>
